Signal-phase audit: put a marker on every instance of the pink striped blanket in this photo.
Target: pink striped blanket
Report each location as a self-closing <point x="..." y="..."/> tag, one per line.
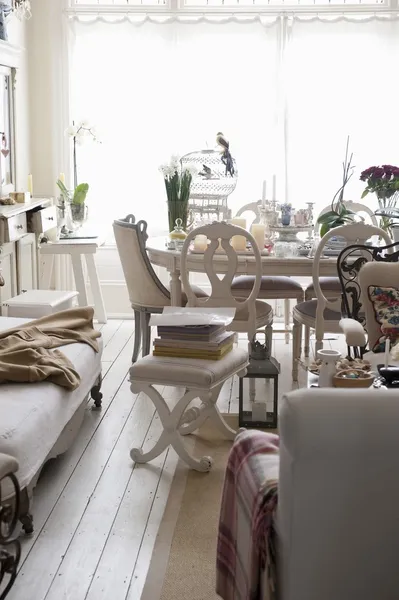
<point x="246" y="551"/>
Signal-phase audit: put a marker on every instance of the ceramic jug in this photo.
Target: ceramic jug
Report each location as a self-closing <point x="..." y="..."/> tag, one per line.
<point x="327" y="367"/>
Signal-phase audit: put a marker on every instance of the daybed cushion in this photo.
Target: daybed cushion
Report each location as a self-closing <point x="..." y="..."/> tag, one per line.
<point x="33" y="415"/>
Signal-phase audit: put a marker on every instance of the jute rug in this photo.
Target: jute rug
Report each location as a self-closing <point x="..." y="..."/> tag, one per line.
<point x="184" y="557"/>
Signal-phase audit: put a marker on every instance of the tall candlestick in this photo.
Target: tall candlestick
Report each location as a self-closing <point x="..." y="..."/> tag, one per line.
<point x="264" y="193"/>
<point x="274" y="188"/>
<point x="387" y="350"/>
<point x="30" y="184"/>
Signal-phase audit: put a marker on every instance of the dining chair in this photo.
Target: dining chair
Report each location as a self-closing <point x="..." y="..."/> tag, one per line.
<point x="251" y="313"/>
<point x="147" y="293"/>
<point x="323" y="314"/>
<point x="331" y="285"/>
<point x="278" y="287"/>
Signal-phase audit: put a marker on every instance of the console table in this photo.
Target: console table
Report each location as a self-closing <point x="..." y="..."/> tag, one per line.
<point x="76" y="248"/>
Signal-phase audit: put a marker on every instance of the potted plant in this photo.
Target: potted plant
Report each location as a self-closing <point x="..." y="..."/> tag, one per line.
<point x="339" y="214"/>
<point x="382" y="181"/>
<point x="177" y="181"/>
<point x="76" y="199"/>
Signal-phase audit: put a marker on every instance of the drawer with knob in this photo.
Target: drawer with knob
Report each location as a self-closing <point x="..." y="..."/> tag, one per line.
<point x="43" y="220"/>
<point x="13" y="228"/>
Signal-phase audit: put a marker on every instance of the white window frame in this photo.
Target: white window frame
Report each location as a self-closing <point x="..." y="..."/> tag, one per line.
<point x="178" y="7"/>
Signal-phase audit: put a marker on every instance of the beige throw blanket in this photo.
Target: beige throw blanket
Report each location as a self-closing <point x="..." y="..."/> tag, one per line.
<point x="28" y="354"/>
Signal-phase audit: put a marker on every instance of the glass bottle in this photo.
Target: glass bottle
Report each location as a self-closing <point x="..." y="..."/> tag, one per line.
<point x="178" y="235"/>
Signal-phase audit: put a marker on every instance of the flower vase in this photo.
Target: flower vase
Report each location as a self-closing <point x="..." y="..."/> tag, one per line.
<point x="77" y="216"/>
<point x="327" y="368"/>
<point x="177" y="210"/>
<point x="386" y="201"/>
<point x="286" y="219"/>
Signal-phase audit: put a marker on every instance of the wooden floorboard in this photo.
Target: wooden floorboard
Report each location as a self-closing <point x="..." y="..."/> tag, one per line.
<point x="96" y="514"/>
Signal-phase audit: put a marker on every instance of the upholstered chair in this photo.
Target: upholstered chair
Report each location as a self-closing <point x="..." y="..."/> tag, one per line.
<point x="324" y="313"/>
<point x="147" y="293"/>
<point x="273" y="287"/>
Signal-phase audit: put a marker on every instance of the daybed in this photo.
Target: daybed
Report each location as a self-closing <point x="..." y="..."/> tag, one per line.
<point x="39" y="421"/>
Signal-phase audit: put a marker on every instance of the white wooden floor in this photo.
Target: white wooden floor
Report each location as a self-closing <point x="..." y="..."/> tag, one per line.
<point x="96" y="515"/>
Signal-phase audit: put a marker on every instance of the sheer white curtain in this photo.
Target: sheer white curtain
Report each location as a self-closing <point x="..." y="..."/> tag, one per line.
<point x="153" y="90"/>
<point x="340" y="81"/>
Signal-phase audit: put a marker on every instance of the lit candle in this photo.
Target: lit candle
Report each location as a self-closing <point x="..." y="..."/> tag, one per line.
<point x="264" y="194"/>
<point x="274" y="188"/>
<point x="258" y="231"/>
<point x="387" y="350"/>
<point x="62" y="178"/>
<point x="239" y="242"/>
<point x="30" y="184"/>
<point x="200" y="243"/>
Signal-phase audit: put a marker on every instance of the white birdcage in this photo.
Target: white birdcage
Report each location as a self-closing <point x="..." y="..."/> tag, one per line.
<point x="212" y="186"/>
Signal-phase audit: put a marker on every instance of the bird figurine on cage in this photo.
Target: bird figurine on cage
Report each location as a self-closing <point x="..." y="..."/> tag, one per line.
<point x="227" y="159"/>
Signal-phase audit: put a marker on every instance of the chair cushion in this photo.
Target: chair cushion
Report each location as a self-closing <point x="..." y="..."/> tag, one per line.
<point x="309" y="307"/>
<point x="264" y="313"/>
<point x="190" y="372"/>
<point x="281" y="284"/>
<point x="327" y="284"/>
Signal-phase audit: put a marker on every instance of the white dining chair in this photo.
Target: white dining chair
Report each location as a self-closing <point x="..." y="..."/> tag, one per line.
<point x="277" y="287"/>
<point x="323" y="314"/>
<point x="251" y="314"/>
<point x="331" y="285"/>
<point x="147" y="293"/>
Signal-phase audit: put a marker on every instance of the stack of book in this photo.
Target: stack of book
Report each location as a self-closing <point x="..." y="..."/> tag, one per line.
<point x="210" y="342"/>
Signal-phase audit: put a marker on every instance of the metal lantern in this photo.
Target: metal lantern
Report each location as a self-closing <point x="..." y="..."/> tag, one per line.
<point x="258" y="390"/>
<point x="211" y="187"/>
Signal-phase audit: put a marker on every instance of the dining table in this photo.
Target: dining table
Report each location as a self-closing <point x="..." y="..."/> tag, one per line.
<point x="292" y="266"/>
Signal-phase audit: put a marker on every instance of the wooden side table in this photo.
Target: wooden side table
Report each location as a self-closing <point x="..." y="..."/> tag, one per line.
<point x="76" y="248"/>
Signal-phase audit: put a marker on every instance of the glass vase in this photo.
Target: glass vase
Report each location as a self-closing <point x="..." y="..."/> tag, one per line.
<point x="77" y="216"/>
<point x="387" y="200"/>
<point x="177" y="210"/>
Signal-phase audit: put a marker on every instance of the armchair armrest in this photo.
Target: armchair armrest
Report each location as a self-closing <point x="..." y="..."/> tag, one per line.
<point x="354" y="332"/>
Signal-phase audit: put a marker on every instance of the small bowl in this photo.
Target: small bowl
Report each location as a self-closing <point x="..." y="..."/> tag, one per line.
<point x="362" y="380"/>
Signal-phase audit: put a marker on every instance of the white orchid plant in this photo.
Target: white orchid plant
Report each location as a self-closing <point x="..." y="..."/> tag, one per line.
<point x="178" y="181"/>
<point x="79" y="134"/>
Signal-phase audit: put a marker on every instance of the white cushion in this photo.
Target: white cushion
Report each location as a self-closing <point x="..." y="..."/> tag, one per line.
<point x="190" y="372"/>
<point x="33" y="415"/>
<point x="339" y="495"/>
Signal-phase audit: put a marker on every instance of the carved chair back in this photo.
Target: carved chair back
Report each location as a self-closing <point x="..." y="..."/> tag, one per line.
<point x="356" y="207"/>
<point x="253" y="207"/>
<point x="219" y="235"/>
<point x="144" y="287"/>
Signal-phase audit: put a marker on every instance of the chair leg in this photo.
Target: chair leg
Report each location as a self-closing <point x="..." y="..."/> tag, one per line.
<point x="296" y="348"/>
<point x="307" y="342"/>
<point x="269" y="339"/>
<point x="319" y="344"/>
<point x="145" y="332"/>
<point x="287" y="319"/>
<point x="137" y="336"/>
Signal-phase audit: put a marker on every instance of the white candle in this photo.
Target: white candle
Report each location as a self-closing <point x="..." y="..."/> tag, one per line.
<point x="239" y="242"/>
<point x="264" y="194"/>
<point x="274" y="188"/>
<point x="387" y="350"/>
<point x="258" y="231"/>
<point x="30" y="184"/>
<point x="200" y="243"/>
<point x="62" y="178"/>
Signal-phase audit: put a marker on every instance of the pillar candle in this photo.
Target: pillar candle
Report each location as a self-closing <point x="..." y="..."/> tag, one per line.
<point x="239" y="242"/>
<point x="200" y="243"/>
<point x="387" y="350"/>
<point x="62" y="178"/>
<point x="258" y="231"/>
<point x="30" y="184"/>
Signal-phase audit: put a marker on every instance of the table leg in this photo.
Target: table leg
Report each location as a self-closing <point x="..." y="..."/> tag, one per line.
<point x="175" y="289"/>
<point x="47" y="262"/>
<point x="79" y="279"/>
<point x="99" y="307"/>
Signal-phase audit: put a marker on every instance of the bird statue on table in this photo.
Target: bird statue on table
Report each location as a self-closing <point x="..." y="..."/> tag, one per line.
<point x="227" y="159"/>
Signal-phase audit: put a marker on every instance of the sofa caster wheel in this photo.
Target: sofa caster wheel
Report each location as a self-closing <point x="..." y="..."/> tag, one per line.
<point x="27" y="523"/>
<point x="206" y="463"/>
<point x="136" y="454"/>
<point x="96" y="394"/>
